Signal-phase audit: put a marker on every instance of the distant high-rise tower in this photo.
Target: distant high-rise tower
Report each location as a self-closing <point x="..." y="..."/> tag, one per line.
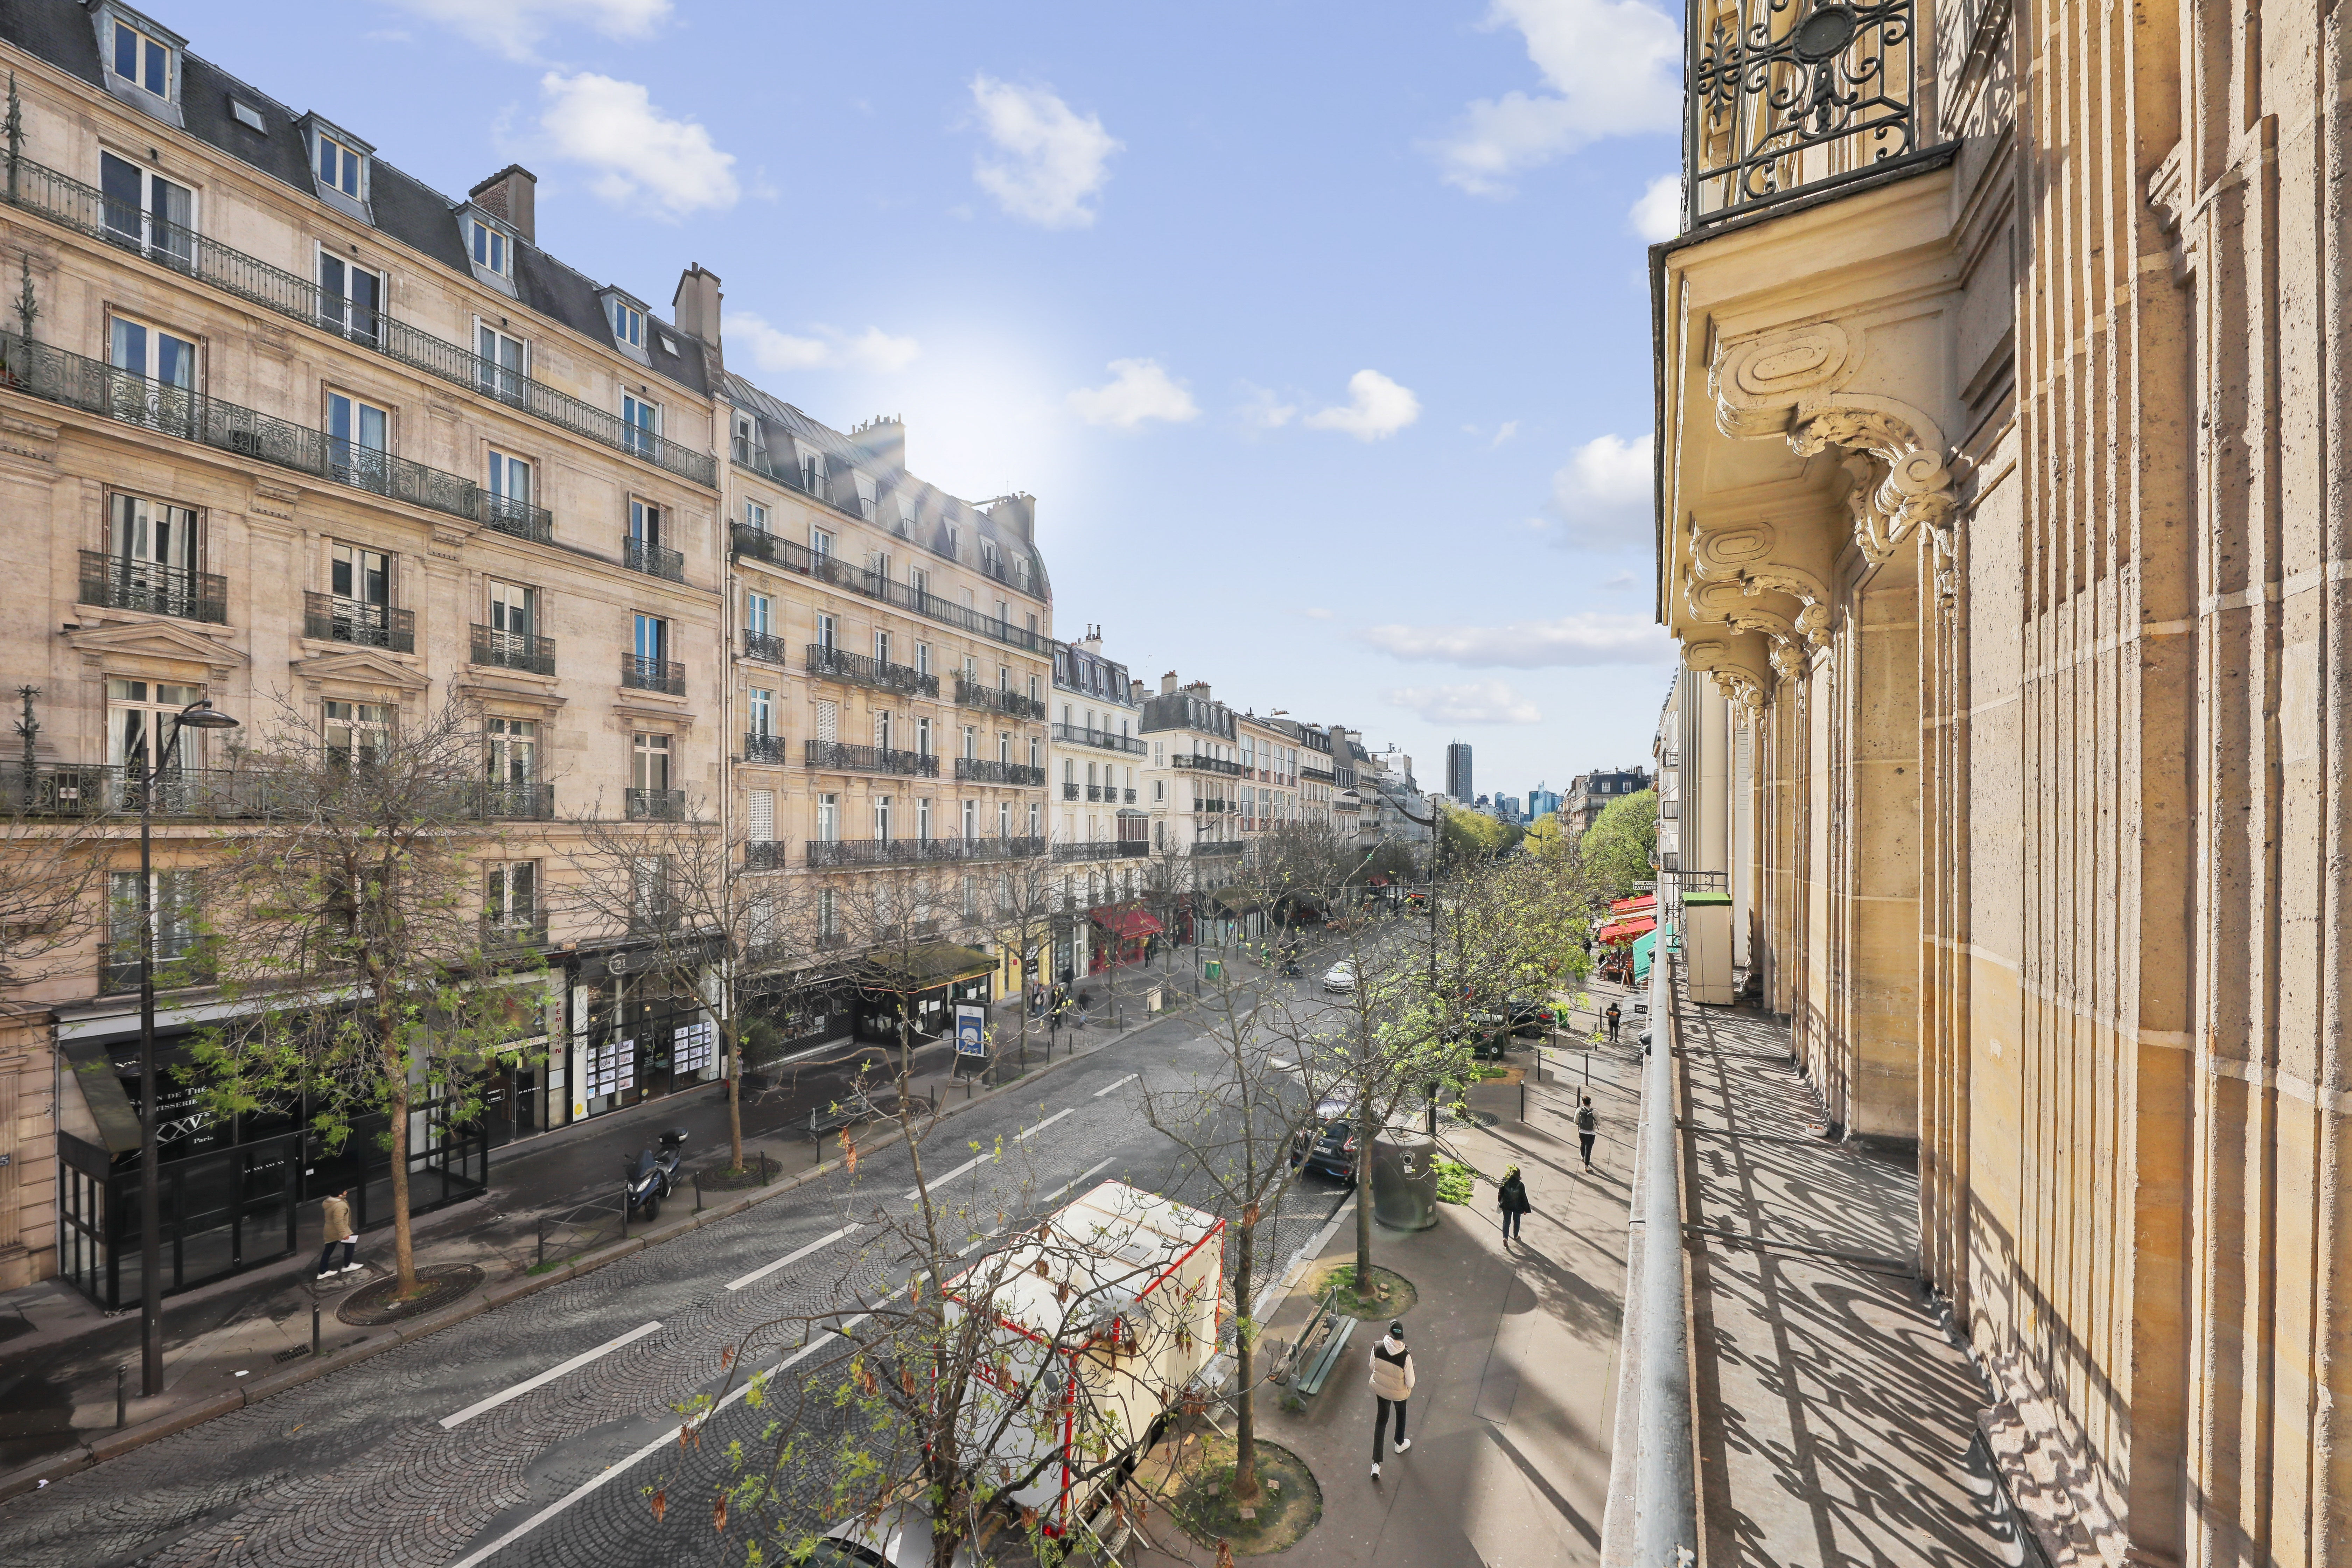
<point x="1458" y="772"/>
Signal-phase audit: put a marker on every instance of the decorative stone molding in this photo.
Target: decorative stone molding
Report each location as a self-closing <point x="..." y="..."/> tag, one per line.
<point x="1752" y="554"/>
<point x="33" y="439"/>
<point x="1733" y="605"/>
<point x="1736" y="666"/>
<point x="128" y="643"/>
<point x="358" y="672"/>
<point x="271" y="498"/>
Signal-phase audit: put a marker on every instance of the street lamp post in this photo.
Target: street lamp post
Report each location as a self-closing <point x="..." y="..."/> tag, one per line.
<point x="197" y="715"/>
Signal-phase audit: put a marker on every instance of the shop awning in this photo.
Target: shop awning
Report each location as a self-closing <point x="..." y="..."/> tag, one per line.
<point x="1240" y="901"/>
<point x="1624" y="930"/>
<point x="1627" y="906"/>
<point x="1129" y="923"/>
<point x="924" y="967"/>
<point x="1642" y="950"/>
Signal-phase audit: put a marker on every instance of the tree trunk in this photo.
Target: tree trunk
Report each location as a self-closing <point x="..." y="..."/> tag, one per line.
<point x="404" y="1246"/>
<point x="733" y="1024"/>
<point x="1245" y="1357"/>
<point x="1364" y="1126"/>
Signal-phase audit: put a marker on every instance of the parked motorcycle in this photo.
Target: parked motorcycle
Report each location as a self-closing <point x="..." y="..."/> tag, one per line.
<point x="651" y="1177"/>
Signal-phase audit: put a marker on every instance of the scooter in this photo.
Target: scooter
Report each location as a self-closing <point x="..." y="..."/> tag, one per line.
<point x="651" y="1177"/>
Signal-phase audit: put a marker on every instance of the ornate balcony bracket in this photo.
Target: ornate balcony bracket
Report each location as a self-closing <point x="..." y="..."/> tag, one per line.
<point x="1738" y="665"/>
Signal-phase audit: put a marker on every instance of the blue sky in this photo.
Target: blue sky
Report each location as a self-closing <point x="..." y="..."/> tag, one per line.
<point x="1319" y="331"/>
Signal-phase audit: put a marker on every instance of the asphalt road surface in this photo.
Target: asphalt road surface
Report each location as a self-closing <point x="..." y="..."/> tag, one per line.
<point x="531" y="1434"/>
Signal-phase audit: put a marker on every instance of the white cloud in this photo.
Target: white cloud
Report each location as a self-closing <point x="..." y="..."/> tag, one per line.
<point x="1054" y="159"/>
<point x="1572" y="641"/>
<point x="1619" y="583"/>
<point x="1317" y="614"/>
<point x="1606" y="495"/>
<point x="1267" y="411"/>
<point x="638" y="156"/>
<point x="514" y="28"/>
<point x="1614" y="67"/>
<point x="1508" y="428"/>
<point x="1659" y="213"/>
<point x="831" y="349"/>
<point x="1482" y="702"/>
<point x="1377" y="408"/>
<point x="1139" y="390"/>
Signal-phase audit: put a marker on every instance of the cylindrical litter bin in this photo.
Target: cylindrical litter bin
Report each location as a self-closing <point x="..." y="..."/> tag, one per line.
<point x="1405" y="1179"/>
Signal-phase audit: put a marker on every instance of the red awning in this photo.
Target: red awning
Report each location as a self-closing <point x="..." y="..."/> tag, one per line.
<point x="1127" y="922"/>
<point x="1379" y="880"/>
<point x="1644" y="902"/>
<point x="1625" y="930"/>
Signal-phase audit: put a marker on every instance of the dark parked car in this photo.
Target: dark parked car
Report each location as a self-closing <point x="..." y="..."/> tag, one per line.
<point x="1490" y="1033"/>
<point x="1528" y="1018"/>
<point x="1329" y="1149"/>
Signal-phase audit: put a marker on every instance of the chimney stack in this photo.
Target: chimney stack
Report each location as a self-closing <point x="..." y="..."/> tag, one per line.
<point x="511" y="194"/>
<point x="1168" y="683"/>
<point x="695" y="306"/>
<point x="885" y="438"/>
<point x="1017" y="513"/>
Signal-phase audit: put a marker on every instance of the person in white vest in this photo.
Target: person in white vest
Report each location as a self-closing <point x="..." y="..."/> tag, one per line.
<point x="1392" y="1384"/>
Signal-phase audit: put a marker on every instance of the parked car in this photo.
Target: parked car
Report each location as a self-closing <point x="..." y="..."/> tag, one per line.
<point x="1329" y="1147"/>
<point x="1528" y="1018"/>
<point x="1340" y="977"/>
<point x="1490" y="1033"/>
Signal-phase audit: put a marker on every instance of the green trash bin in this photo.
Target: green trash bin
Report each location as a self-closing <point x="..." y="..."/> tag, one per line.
<point x="1216" y="968"/>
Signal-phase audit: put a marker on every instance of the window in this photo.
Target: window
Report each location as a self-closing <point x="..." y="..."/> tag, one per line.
<point x="882" y="818"/>
<point x="650" y="638"/>
<point x="1065" y="715"/>
<point x="951" y="543"/>
<point x="759" y="614"/>
<point x="923" y="737"/>
<point x="813" y="474"/>
<point x="971" y="743"/>
<point x="628" y="325"/>
<point x="755" y="516"/>
<point x="1034" y="697"/>
<point x="355" y="441"/>
<point x="1069" y="771"/>
<point x="514" y="610"/>
<point x="493" y="251"/>
<point x="162" y="357"/>
<point x="1004" y="612"/>
<point x="923" y="819"/>
<point x="171" y="917"/>
<point x="820" y="543"/>
<point x="1159" y="753"/>
<point x="922" y="658"/>
<point x="359" y="575"/>
<point x="142" y="61"/>
<point x="920" y="581"/>
<point x="514" y="751"/>
<point x="760" y="709"/>
<point x="357" y="732"/>
<point x="865" y="496"/>
<point x="1004" y="748"/>
<point x="650" y="762"/>
<point x="342" y="168"/>
<point x="1004" y="819"/>
<point x="139" y="720"/>
<point x="1035" y="811"/>
<point x="146" y="209"/>
<point x="1004" y="683"/>
<point x="1159" y="789"/>
<point x="151" y="533"/>
<point x="510" y="479"/>
<point x="828" y="722"/>
<point x="970" y="898"/>
<point x="350" y="298"/>
<point x="511" y="898"/>
<point x="763" y="815"/>
<point x="827" y="629"/>
<point x="649" y="890"/>
<point x="828" y="820"/>
<point x="644" y="422"/>
<point x="504" y="362"/>
<point x="881" y="648"/>
<point x="1032" y="751"/>
<point x="971" y="819"/>
<point x="882" y="732"/>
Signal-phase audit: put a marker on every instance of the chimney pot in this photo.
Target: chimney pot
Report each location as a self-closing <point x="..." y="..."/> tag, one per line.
<point x="695" y="306"/>
<point x="511" y="194"/>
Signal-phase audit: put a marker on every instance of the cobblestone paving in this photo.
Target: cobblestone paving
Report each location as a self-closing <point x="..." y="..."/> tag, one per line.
<point x="354" y="1469"/>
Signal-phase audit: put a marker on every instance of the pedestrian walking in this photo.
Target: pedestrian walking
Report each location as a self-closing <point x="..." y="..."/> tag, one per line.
<point x="336" y="1217"/>
<point x="1511" y="1197"/>
<point x="1614" y="1017"/>
<point x="1588" y="1128"/>
<point x="1392" y="1384"/>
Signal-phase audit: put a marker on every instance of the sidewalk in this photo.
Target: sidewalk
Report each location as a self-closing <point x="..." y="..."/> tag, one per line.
<point x="1836" y="1414"/>
<point x="1513" y="1353"/>
<point x="59" y="1353"/>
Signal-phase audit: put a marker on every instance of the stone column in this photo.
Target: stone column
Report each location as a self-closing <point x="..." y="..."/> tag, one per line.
<point x="1878" y="890"/>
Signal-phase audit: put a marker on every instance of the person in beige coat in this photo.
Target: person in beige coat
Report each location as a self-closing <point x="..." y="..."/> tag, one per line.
<point x="1392" y="1384"/>
<point x="336" y="1225"/>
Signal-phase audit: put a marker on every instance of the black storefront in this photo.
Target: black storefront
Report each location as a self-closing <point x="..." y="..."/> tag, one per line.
<point x="924" y="982"/>
<point x="649" y="1034"/>
<point x="230" y="1189"/>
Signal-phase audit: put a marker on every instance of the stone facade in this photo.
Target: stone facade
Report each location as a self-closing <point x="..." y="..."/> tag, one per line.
<point x="2001" y="523"/>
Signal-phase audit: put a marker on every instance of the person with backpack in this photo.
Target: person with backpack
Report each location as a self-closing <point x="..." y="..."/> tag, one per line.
<point x="1588" y="1128"/>
<point x="1614" y="1017"/>
<point x="1511" y="1197"/>
<point x="1392" y="1384"/>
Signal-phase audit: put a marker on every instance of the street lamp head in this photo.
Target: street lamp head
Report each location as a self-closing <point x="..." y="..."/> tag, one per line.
<point x="202" y="715"/>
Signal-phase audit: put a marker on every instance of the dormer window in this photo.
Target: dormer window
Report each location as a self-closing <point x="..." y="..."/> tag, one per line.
<point x="628" y="325"/>
<point x="492" y="249"/>
<point x="142" y="59"/>
<point x="342" y="168"/>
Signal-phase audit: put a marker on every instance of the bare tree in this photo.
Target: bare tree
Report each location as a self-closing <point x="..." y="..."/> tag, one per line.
<point x="1018" y="899"/>
<point x="350" y="936"/>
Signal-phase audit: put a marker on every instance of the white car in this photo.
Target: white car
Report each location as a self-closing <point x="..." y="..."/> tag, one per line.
<point x="1340" y="977"/>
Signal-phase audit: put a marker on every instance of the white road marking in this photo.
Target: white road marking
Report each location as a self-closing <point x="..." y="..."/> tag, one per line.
<point x="942" y="1179"/>
<point x="1128" y="1079"/>
<point x="765" y="1269"/>
<point x="1074" y="1180"/>
<point x="550" y="1375"/>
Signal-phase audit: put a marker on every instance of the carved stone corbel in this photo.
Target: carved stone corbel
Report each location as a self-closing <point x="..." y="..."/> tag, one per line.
<point x="1751" y="553"/>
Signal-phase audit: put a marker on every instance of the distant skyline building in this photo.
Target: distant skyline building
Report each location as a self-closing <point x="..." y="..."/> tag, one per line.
<point x="1543" y="802"/>
<point x="1457" y="773"/>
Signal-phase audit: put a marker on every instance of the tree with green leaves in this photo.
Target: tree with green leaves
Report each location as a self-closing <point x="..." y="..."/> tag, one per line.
<point x="1620" y="849"/>
<point x="362" y="970"/>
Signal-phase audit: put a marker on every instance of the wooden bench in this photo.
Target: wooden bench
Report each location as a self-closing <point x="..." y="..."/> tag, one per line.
<point x="1319" y="1360"/>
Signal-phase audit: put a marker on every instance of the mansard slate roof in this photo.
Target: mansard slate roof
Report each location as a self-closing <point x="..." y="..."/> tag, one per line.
<point x="405" y="209"/>
<point x="781" y="423"/>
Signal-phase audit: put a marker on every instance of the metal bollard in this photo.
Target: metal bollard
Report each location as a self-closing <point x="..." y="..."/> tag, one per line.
<point x="625" y="1211"/>
<point x="698" y="1189"/>
<point x="314" y="1323"/>
<point x="122" y="1404"/>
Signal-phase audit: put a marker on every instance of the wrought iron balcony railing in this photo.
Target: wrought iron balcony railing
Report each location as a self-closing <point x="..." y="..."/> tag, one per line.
<point x="513" y="650"/>
<point x="830" y="663"/>
<point x="120" y="583"/>
<point x="755" y="544"/>
<point x="522" y="933"/>
<point x="652" y="560"/>
<point x="1069" y="789"/>
<point x="972" y="694"/>
<point x="38" y="189"/>
<point x="1097" y="792"/>
<point x="1219" y="847"/>
<point x="765" y="855"/>
<point x="982" y="770"/>
<point x="1786" y="96"/>
<point x="838" y="852"/>
<point x="654" y="804"/>
<point x="1208" y="765"/>
<point x="55" y="376"/>
<point x="842" y="758"/>
<point x="1308" y="771"/>
<point x="1079" y="735"/>
<point x="325" y="618"/>
<point x="98" y="789"/>
<point x="763" y="748"/>
<point x="653" y="675"/>
<point x="518" y="800"/>
<point x="760" y="645"/>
